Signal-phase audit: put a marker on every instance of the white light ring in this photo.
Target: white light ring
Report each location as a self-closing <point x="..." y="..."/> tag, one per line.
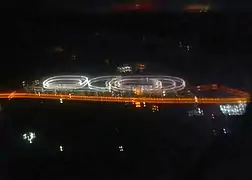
<point x="99" y="79"/>
<point x="179" y="83"/>
<point x="119" y="84"/>
<point x="175" y="83"/>
<point x="78" y="82"/>
<point x="116" y="84"/>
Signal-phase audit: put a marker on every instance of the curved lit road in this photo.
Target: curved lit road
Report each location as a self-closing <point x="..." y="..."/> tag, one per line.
<point x="240" y="96"/>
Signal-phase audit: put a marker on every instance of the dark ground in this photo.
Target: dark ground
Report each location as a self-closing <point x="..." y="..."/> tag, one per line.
<point x="166" y="144"/>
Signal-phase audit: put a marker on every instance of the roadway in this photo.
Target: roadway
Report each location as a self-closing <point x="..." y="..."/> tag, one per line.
<point x="95" y="98"/>
<point x="240" y="97"/>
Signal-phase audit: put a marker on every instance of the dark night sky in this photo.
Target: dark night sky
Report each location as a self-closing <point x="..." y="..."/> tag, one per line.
<point x="33" y="33"/>
<point x="101" y="5"/>
<point x="171" y="5"/>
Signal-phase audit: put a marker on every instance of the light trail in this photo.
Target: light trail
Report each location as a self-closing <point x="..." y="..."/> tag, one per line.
<point x="127" y="99"/>
<point x="12" y="95"/>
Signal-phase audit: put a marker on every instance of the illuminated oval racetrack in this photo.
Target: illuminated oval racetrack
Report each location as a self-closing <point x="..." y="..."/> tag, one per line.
<point x="146" y="83"/>
<point x="65" y="82"/>
<point x="101" y="83"/>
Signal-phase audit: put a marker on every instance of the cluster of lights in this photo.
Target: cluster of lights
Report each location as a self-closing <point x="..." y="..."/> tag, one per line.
<point x="155" y="108"/>
<point x="225" y="131"/>
<point x="144" y="104"/>
<point x="138" y="104"/>
<point x="138" y="91"/>
<point x="233" y="110"/>
<point x="23" y="83"/>
<point x="36" y="82"/>
<point x="186" y="47"/>
<point x="141" y="66"/>
<point x="164" y="93"/>
<point x="196" y="112"/>
<point x="121" y="148"/>
<point x="30" y="136"/>
<point x="124" y="69"/>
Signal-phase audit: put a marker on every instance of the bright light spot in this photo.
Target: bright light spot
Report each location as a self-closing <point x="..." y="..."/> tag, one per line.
<point x="138" y="104"/>
<point x="138" y="91"/>
<point x="164" y="93"/>
<point x="196" y="99"/>
<point x="224" y="131"/>
<point x="61" y="101"/>
<point x="121" y="148"/>
<point x="29" y="136"/>
<point x="61" y="148"/>
<point x="144" y="104"/>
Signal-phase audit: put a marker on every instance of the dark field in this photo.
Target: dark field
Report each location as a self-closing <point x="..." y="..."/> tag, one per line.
<point x="167" y="143"/>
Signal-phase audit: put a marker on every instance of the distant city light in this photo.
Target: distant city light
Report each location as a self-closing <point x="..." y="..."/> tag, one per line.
<point x="214" y="132"/>
<point x="138" y="104"/>
<point x="61" y="101"/>
<point x="164" y="93"/>
<point x="23" y="83"/>
<point x="225" y="131"/>
<point x="155" y="108"/>
<point x="233" y="109"/>
<point x="121" y="148"/>
<point x="138" y="91"/>
<point x="73" y="57"/>
<point x="124" y="69"/>
<point x="196" y="112"/>
<point x="144" y="104"/>
<point x="61" y="148"/>
<point x="30" y="136"/>
<point x="36" y="82"/>
<point x="141" y="66"/>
